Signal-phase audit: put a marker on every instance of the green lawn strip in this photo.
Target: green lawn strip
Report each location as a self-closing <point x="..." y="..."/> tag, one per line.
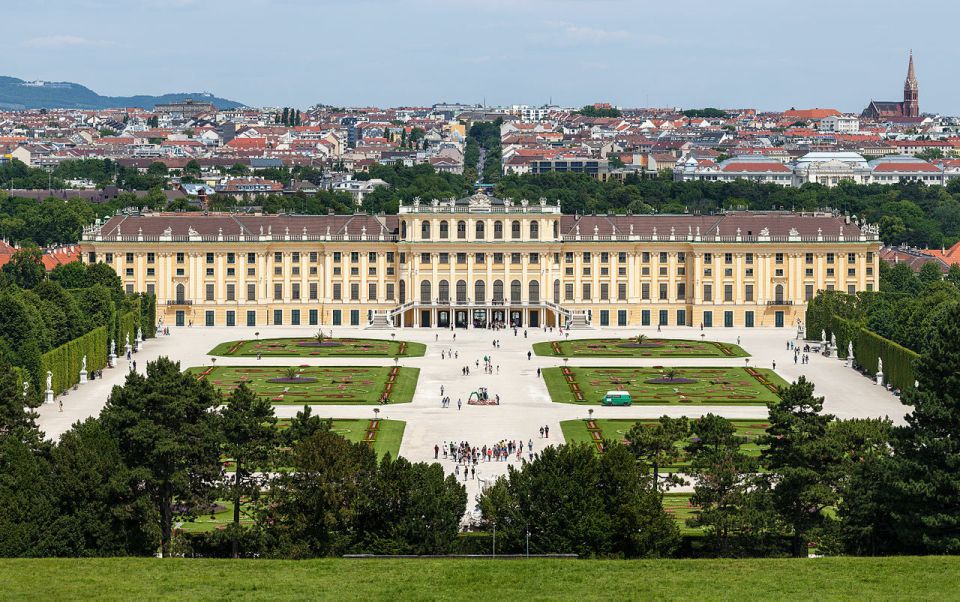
<point x="348" y="385"/>
<point x="894" y="578"/>
<point x="616" y="429"/>
<point x="654" y="347"/>
<point x="222" y="516"/>
<point x="712" y="386"/>
<point x="677" y="505"/>
<point x="301" y="347"/>
<point x="388" y="438"/>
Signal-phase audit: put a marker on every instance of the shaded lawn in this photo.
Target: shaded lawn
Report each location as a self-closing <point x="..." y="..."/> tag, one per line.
<point x="712" y="386"/>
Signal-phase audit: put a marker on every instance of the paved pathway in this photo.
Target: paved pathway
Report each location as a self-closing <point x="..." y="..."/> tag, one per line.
<point x="525" y="403"/>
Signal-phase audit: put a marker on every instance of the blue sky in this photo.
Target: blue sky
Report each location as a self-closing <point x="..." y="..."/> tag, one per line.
<point x="766" y="54"/>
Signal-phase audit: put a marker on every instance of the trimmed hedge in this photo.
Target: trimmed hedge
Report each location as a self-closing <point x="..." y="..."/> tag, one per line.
<point x="148" y="315"/>
<point x="868" y="347"/>
<point x="128" y="323"/>
<point x="66" y="361"/>
<point x="898" y="361"/>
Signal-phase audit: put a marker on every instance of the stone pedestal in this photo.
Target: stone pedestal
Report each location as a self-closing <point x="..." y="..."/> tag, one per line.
<point x="83" y="377"/>
<point x="48" y="397"/>
<point x="111" y="360"/>
<point x="880" y="378"/>
<point x="848" y="362"/>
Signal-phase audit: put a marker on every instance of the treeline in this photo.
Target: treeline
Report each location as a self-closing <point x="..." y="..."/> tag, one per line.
<point x="907" y="309"/>
<point x="158" y="455"/>
<point x="486" y="134"/>
<point x="913" y="214"/>
<point x="39" y="314"/>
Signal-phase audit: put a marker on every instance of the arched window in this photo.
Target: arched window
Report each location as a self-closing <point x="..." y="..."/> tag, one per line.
<point x="461" y="291"/>
<point x="515" y="229"/>
<point x="534" y="230"/>
<point x="498" y="291"/>
<point x="180" y="293"/>
<point x="425" y="294"/>
<point x="534" y="296"/>
<point x="444" y="229"/>
<point x="556" y="291"/>
<point x="480" y="292"/>
<point x="403" y="230"/>
<point x="556" y="229"/>
<point x="403" y="292"/>
<point x="480" y="233"/>
<point x="461" y="229"/>
<point x="515" y="291"/>
<point x="778" y="293"/>
<point x="425" y="230"/>
<point x="444" y="291"/>
<point x="498" y="230"/>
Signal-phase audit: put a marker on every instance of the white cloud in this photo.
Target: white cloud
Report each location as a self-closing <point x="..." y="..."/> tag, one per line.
<point x="65" y="41"/>
<point x="592" y="34"/>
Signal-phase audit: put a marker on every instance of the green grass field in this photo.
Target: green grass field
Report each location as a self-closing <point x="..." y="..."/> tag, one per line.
<point x="898" y="578"/>
<point x="308" y="347"/>
<point x="710" y="386"/>
<point x="360" y="385"/>
<point x="678" y="506"/>
<point x="577" y="431"/>
<point x="652" y="347"/>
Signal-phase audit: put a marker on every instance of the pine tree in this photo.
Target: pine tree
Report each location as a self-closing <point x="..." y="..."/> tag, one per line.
<point x="285" y="119"/>
<point x="802" y="459"/>
<point x="927" y="449"/>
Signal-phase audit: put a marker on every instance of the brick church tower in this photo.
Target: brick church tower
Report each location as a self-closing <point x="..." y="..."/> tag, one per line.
<point x="911" y="92"/>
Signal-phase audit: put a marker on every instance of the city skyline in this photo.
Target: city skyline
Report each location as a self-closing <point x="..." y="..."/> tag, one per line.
<point x="336" y="54"/>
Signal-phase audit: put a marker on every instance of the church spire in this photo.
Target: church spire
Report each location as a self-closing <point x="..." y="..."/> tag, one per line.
<point x="911" y="76"/>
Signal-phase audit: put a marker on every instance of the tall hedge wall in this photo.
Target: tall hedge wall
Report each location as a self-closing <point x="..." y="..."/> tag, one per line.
<point x="129" y="322"/>
<point x="66" y="360"/>
<point x="148" y="315"/>
<point x="868" y="347"/>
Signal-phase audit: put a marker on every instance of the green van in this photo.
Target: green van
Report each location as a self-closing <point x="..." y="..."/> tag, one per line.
<point x="617" y="398"/>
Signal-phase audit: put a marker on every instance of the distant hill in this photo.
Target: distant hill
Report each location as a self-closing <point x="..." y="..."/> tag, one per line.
<point x="18" y="94"/>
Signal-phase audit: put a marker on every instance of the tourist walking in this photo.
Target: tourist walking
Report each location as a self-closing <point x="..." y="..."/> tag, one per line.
<point x="459" y="403"/>
<point x="436" y="451"/>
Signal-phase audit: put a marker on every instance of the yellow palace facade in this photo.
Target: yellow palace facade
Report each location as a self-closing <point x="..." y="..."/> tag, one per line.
<point x="479" y="261"/>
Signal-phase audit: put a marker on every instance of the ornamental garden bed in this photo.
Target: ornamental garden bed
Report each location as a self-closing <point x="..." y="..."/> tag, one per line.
<point x="652" y="347"/>
<point x="352" y="385"/>
<point x="697" y="386"/>
<point x="310" y="347"/>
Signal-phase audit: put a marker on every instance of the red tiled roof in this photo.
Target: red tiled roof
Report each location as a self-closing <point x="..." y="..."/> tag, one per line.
<point x="906" y="166"/>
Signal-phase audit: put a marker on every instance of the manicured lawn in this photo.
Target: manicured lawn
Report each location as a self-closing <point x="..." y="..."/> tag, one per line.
<point x="616" y="430"/>
<point x="652" y="347"/>
<point x="308" y="347"/>
<point x="386" y="437"/>
<point x="678" y="506"/>
<point x="897" y="578"/>
<point x="708" y="386"/>
<point x="219" y="517"/>
<point x="318" y="384"/>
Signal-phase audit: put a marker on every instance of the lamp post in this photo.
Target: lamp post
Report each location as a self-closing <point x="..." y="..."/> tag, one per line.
<point x="257" y="335"/>
<point x="528" y="543"/>
<point x="494" y="539"/>
<point x="376" y="414"/>
<point x="590" y="414"/>
<point x="746" y="361"/>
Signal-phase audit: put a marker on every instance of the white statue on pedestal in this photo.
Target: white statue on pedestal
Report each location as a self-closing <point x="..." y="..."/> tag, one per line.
<point x="48" y="394"/>
<point x="83" y="370"/>
<point x="113" y="348"/>
<point x="880" y="371"/>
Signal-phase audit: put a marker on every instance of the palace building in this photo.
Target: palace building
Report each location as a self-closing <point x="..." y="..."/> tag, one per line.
<point x="471" y="262"/>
